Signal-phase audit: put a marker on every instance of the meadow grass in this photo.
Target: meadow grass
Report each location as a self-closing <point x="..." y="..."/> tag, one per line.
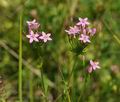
<point x="61" y="76"/>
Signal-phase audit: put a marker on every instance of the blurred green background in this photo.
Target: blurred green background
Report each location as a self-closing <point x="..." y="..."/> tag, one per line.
<point x="55" y="16"/>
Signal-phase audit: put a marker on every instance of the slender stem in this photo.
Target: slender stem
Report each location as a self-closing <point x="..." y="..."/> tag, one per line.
<point x="82" y="91"/>
<point x="85" y="81"/>
<point x="43" y="85"/>
<point x="67" y="92"/>
<point x="85" y="85"/>
<point x="83" y="61"/>
<point x="68" y="96"/>
<point x="20" y="60"/>
<point x="42" y="79"/>
<point x="31" y="87"/>
<point x="70" y="76"/>
<point x="62" y="75"/>
<point x="73" y="68"/>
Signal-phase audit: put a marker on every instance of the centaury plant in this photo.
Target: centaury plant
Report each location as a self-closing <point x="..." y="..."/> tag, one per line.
<point x="36" y="37"/>
<point x="80" y="36"/>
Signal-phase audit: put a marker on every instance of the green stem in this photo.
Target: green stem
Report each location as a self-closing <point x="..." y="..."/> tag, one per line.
<point x="79" y="99"/>
<point x="86" y="77"/>
<point x="70" y="76"/>
<point x="73" y="68"/>
<point x="43" y="85"/>
<point x="82" y="91"/>
<point x="66" y="91"/>
<point x="20" y="60"/>
<point x="85" y="85"/>
<point x="68" y="96"/>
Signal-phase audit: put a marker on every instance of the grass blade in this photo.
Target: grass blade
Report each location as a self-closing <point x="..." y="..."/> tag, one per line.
<point x="20" y="60"/>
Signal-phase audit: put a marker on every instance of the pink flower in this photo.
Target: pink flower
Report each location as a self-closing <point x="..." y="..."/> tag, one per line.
<point x="83" y="22"/>
<point x="45" y="37"/>
<point x="73" y="30"/>
<point x="92" y="31"/>
<point x="32" y="37"/>
<point x="90" y="69"/>
<point x="93" y="66"/>
<point x="84" y="38"/>
<point x="33" y="25"/>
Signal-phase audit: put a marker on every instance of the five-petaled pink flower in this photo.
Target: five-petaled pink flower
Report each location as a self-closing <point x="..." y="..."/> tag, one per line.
<point x="84" y="38"/>
<point x="45" y="37"/>
<point x="92" y="31"/>
<point x="93" y="66"/>
<point x="33" y="25"/>
<point x="32" y="37"/>
<point x="83" y="22"/>
<point x="73" y="31"/>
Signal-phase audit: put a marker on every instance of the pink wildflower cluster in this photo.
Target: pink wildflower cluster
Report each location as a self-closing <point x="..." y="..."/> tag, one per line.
<point x="36" y="36"/>
<point x="93" y="66"/>
<point x="82" y="30"/>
